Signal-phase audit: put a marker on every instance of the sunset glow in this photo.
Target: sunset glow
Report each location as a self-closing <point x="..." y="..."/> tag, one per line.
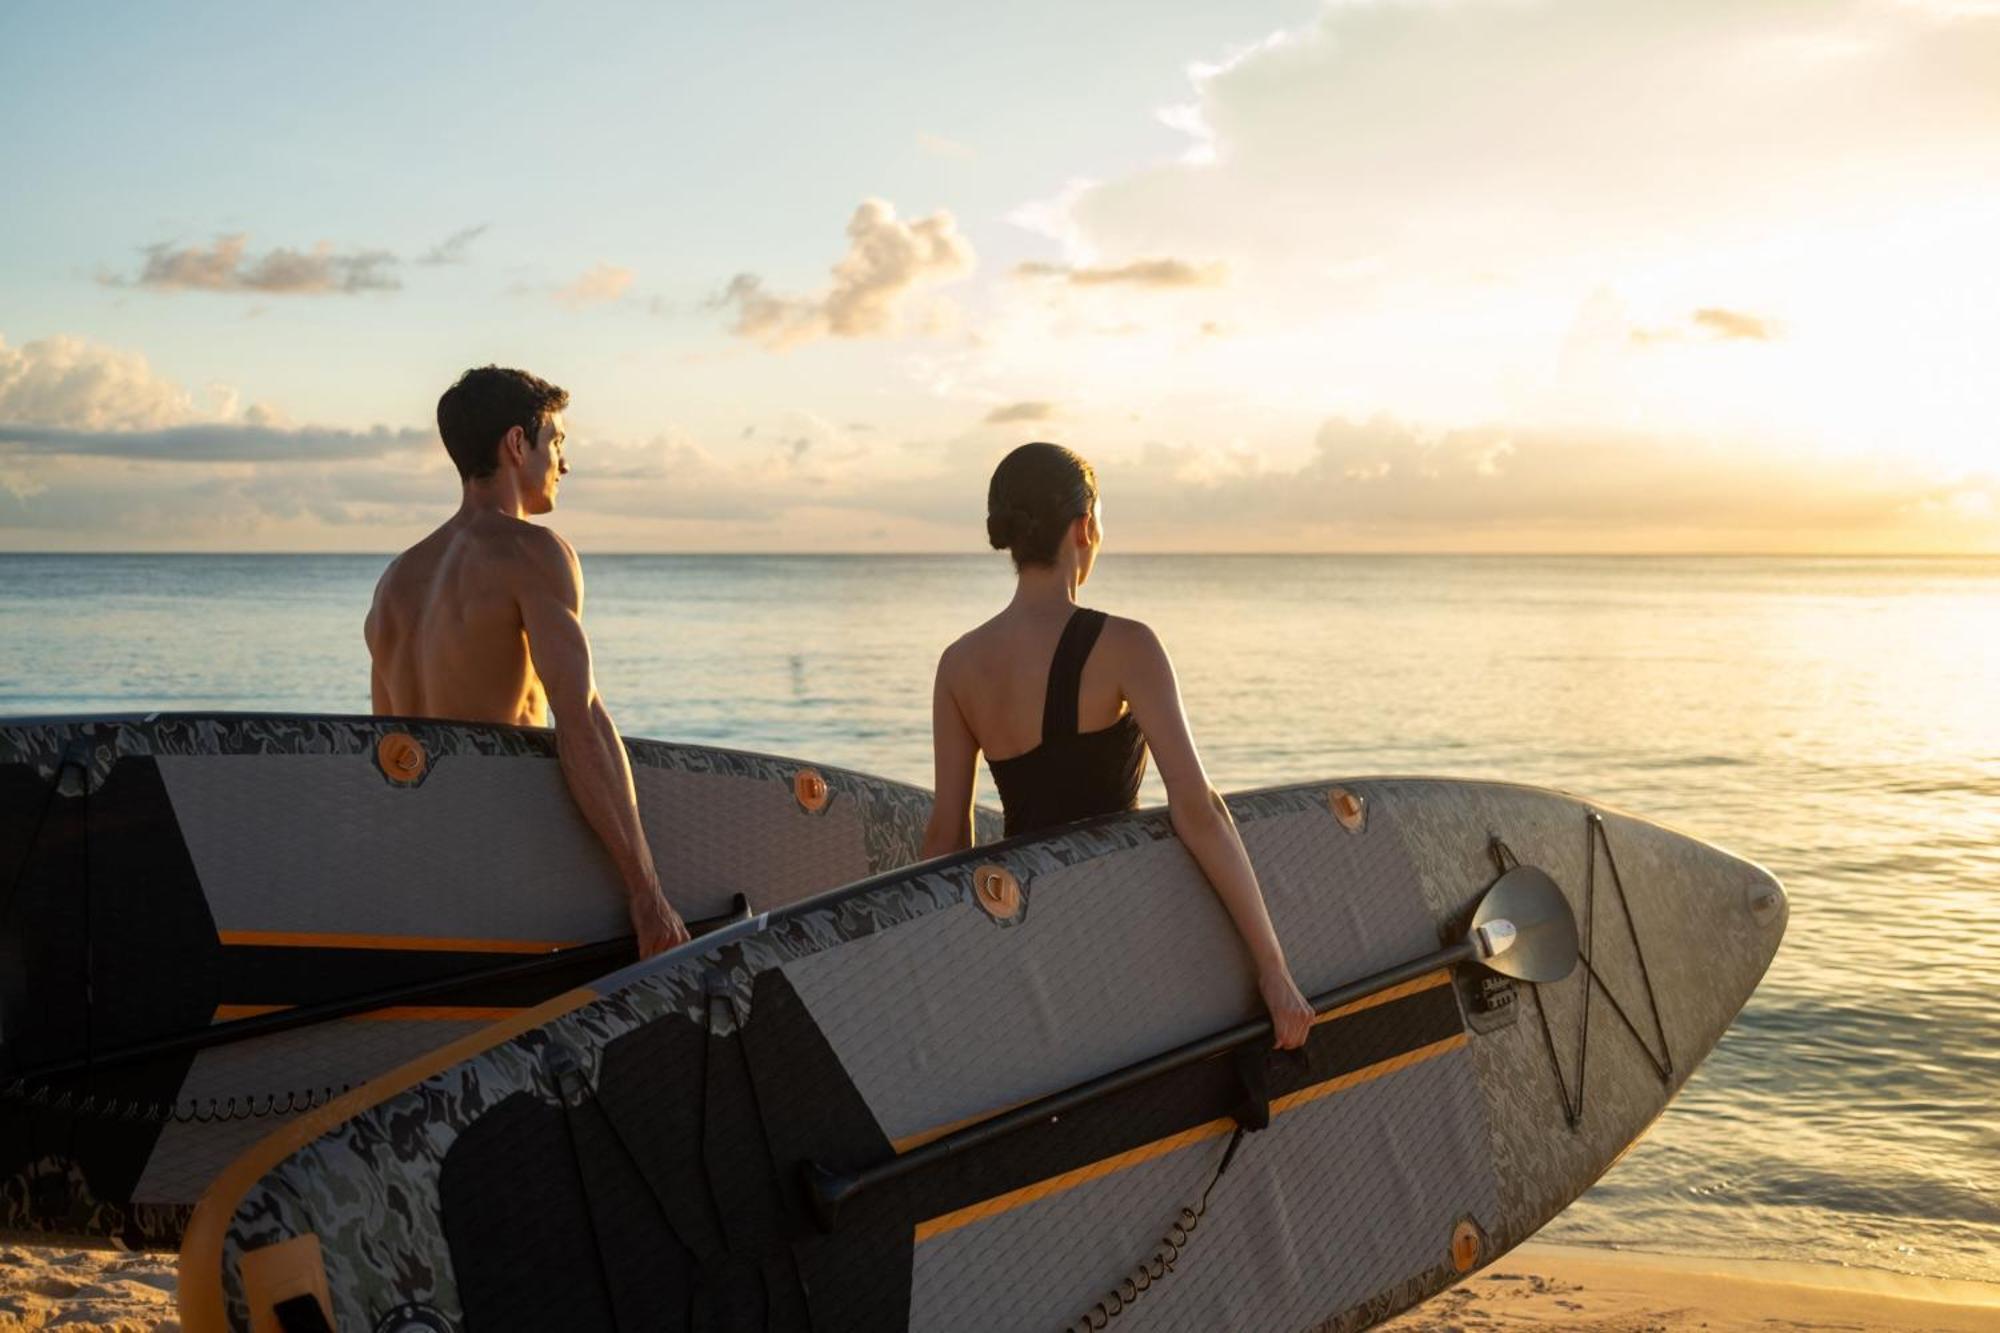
<point x="1389" y="275"/>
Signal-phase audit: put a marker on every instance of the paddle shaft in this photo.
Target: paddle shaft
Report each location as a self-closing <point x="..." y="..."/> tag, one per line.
<point x="830" y="1190"/>
<point x="607" y="952"/>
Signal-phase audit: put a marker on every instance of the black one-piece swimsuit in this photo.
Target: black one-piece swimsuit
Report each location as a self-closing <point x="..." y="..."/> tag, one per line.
<point x="1071" y="775"/>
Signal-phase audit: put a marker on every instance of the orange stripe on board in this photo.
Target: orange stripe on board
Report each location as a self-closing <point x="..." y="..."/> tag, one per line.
<point x="1069" y="1180"/>
<point x="401" y="1013"/>
<point x="225" y="1013"/>
<point x="203" y="1306"/>
<point x="1428" y="981"/>
<point x="1083" y="1175"/>
<point x="289" y="939"/>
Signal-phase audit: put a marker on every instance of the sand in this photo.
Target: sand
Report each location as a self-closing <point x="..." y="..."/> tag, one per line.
<point x="1535" y="1287"/>
<point x="80" y="1291"/>
<point x="1557" y="1287"/>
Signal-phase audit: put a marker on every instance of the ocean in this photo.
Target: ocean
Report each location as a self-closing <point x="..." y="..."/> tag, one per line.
<point x="1837" y="720"/>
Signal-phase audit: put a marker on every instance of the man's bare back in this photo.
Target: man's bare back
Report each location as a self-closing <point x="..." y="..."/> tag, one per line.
<point x="482" y="621"/>
<point x="446" y="632"/>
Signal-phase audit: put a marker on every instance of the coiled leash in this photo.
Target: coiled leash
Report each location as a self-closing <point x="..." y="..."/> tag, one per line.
<point x="1163" y="1259"/>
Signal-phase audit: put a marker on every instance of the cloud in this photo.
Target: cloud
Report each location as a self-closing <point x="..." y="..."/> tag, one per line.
<point x="1733" y="325"/>
<point x="887" y="261"/>
<point x="1550" y="132"/>
<point x="1713" y="324"/>
<point x="228" y="267"/>
<point x="452" y="250"/>
<point x="1142" y="273"/>
<point x="1425" y="261"/>
<point x="211" y="442"/>
<point x="936" y="145"/>
<point x="1029" y="411"/>
<point x="600" y="285"/>
<point x="72" y="382"/>
<point x="75" y="414"/>
<point x="1390" y="482"/>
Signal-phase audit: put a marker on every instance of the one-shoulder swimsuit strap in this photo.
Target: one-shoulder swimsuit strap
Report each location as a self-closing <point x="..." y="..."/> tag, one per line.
<point x="1059" y="707"/>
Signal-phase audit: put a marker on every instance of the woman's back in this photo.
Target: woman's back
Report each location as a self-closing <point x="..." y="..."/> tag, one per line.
<point x="999" y="674"/>
<point x="1060" y="741"/>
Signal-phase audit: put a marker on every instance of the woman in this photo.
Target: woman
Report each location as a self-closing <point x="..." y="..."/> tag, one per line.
<point x="1072" y="698"/>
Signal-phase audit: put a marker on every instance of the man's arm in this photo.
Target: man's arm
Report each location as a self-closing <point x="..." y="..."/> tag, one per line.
<point x="587" y="741"/>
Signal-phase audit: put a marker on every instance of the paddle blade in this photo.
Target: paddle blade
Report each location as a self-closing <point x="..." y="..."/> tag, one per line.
<point x="1544" y="944"/>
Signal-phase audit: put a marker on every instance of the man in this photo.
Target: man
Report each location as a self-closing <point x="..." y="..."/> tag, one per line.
<point x="481" y="620"/>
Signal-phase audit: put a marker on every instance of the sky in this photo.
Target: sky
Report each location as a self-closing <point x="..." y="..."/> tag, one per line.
<point x="1370" y="275"/>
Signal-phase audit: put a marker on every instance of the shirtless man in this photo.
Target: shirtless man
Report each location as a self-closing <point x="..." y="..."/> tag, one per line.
<point x="482" y="620"/>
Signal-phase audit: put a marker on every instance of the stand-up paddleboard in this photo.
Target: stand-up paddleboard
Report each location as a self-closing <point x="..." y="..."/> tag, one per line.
<point x="212" y="922"/>
<point x="988" y="1091"/>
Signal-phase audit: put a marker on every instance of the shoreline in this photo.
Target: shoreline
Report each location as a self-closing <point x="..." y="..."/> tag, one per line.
<point x="1541" y="1285"/>
<point x="1535" y="1286"/>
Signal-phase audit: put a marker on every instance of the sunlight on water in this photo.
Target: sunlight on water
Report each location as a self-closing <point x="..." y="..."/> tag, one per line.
<point x="1836" y="720"/>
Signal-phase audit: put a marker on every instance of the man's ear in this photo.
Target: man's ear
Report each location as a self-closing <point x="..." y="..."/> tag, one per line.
<point x="514" y="445"/>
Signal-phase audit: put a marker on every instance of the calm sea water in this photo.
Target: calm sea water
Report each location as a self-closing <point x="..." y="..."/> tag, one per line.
<point x="1837" y="720"/>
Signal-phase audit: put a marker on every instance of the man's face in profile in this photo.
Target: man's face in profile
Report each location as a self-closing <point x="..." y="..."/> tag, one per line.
<point x="543" y="467"/>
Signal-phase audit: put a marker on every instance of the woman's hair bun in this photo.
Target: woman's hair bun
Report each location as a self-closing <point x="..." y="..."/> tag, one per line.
<point x="1036" y="493"/>
<point x="1008" y="526"/>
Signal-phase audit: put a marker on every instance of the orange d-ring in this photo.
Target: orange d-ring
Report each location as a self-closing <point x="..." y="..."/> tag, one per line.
<point x="401" y="758"/>
<point x="1466" y="1245"/>
<point x="811" y="790"/>
<point x="1350" y="809"/>
<point x="998" y="892"/>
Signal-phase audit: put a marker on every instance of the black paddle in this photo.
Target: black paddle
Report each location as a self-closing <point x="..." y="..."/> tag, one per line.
<point x="1522" y="928"/>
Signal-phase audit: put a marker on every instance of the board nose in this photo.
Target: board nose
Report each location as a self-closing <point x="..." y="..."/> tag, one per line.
<point x="1769" y="910"/>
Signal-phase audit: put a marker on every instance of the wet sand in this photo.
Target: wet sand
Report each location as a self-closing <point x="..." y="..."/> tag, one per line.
<point x="1535" y="1287"/>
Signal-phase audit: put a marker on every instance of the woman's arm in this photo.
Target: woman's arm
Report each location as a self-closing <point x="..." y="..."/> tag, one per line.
<point x="956" y="757"/>
<point x="1207" y="830"/>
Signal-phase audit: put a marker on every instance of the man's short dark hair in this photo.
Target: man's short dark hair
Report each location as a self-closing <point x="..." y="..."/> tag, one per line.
<point x="478" y="410"/>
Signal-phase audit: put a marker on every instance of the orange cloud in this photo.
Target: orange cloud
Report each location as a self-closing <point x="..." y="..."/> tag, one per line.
<point x="1141" y="273"/>
<point x="600" y="285"/>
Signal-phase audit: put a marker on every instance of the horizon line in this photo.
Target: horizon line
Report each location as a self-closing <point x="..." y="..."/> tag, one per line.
<point x="1180" y="554"/>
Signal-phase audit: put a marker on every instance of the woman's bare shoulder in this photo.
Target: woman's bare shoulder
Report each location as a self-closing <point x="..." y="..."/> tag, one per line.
<point x="963" y="653"/>
<point x="1130" y="640"/>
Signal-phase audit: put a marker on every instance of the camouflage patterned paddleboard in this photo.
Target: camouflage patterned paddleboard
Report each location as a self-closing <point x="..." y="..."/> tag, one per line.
<point x="167" y="877"/>
<point x="639" y="1153"/>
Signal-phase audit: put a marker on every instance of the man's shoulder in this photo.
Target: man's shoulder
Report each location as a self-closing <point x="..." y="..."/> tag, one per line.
<point x="504" y="544"/>
<point x="403" y="576"/>
<point x="535" y="563"/>
<point x="535" y="542"/>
